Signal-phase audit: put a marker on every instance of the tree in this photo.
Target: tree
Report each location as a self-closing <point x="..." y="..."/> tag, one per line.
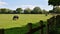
<point x="10" y="11"/>
<point x="0" y="10"/>
<point x="51" y="11"/>
<point x="54" y="3"/>
<point x="36" y="10"/>
<point x="57" y="9"/>
<point x="27" y="11"/>
<point x="19" y="10"/>
<point x="14" y="12"/>
<point x="3" y="10"/>
<point x="44" y="11"/>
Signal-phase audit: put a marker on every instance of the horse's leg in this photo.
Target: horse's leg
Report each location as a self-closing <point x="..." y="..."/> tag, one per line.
<point x="13" y="18"/>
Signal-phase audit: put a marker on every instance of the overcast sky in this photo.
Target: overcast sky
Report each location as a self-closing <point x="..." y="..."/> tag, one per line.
<point x="13" y="4"/>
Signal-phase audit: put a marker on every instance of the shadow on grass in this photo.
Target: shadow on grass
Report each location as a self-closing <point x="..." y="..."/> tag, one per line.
<point x="22" y="30"/>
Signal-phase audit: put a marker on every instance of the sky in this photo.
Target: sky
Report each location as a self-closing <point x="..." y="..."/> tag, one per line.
<point x="13" y="4"/>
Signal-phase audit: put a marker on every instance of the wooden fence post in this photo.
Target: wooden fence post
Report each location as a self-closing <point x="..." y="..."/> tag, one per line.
<point x="48" y="26"/>
<point x="1" y="31"/>
<point x="41" y="24"/>
<point x="30" y="28"/>
<point x="31" y="31"/>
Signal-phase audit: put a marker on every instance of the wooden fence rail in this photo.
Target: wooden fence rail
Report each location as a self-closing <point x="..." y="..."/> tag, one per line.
<point x="31" y="31"/>
<point x="1" y="31"/>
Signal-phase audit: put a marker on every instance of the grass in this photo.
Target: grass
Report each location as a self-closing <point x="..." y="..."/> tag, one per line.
<point x="7" y="22"/>
<point x="23" y="30"/>
<point x="20" y="26"/>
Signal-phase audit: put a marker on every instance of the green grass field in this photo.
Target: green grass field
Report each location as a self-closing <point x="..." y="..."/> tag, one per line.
<point x="7" y="22"/>
<point x="20" y="26"/>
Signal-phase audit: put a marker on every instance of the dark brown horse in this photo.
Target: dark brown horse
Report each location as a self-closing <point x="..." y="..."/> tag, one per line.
<point x="15" y="17"/>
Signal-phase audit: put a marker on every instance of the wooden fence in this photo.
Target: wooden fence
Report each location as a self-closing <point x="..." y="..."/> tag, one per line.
<point x="31" y="31"/>
<point x="52" y="22"/>
<point x="51" y="25"/>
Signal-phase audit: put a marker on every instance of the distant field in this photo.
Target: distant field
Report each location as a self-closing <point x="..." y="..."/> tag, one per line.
<point x="7" y="22"/>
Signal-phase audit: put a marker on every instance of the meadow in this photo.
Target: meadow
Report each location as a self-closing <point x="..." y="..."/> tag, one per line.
<point x="6" y="20"/>
<point x="20" y="26"/>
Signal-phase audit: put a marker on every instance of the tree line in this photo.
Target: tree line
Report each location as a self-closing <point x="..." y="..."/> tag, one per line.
<point x="36" y="10"/>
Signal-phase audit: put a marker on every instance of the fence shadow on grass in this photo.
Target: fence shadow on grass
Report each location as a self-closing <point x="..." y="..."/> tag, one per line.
<point x="21" y="30"/>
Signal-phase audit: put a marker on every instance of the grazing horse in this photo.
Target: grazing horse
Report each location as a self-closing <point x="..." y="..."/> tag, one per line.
<point x="15" y="17"/>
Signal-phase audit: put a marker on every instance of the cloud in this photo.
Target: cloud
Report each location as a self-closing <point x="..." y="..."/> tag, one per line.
<point x="27" y="6"/>
<point x="3" y="3"/>
<point x="32" y="6"/>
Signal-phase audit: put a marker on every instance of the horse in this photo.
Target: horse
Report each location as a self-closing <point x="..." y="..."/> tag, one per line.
<point x="15" y="17"/>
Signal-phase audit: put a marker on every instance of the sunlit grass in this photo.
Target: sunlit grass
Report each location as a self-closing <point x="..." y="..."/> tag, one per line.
<point x="7" y="22"/>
